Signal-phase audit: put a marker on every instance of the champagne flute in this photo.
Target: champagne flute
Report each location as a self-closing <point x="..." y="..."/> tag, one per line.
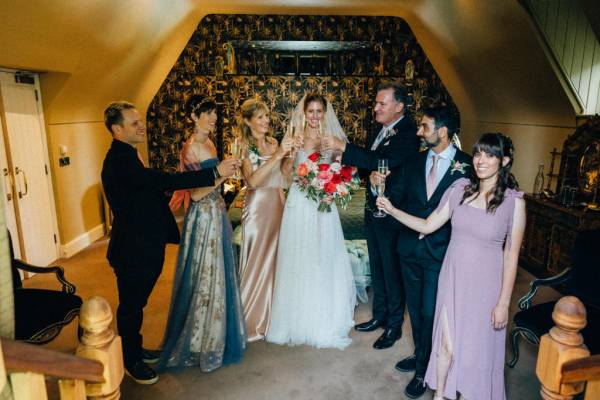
<point x="382" y="168"/>
<point x="236" y="152"/>
<point x="292" y="132"/>
<point x="322" y="134"/>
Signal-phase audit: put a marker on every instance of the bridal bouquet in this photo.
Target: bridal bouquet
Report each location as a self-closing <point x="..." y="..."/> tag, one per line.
<point x="326" y="183"/>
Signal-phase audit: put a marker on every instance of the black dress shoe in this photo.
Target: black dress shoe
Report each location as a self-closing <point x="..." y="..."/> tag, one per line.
<point x="388" y="338"/>
<point x="408" y="364"/>
<point x="369" y="325"/>
<point x="415" y="388"/>
<point x="142" y="373"/>
<point x="150" y="356"/>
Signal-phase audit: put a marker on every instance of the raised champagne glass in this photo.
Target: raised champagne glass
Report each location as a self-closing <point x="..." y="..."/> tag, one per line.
<point x="236" y="152"/>
<point x="326" y="153"/>
<point x="382" y="168"/>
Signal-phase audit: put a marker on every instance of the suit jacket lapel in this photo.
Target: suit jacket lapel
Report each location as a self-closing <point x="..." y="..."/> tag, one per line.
<point x="421" y="186"/>
<point x="449" y="176"/>
<point x="374" y="132"/>
<point x="444" y="182"/>
<point x="396" y="126"/>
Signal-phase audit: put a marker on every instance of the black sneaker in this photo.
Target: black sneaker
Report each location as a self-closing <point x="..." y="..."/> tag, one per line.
<point x="142" y="373"/>
<point x="415" y="388"/>
<point x="408" y="364"/>
<point x="150" y="356"/>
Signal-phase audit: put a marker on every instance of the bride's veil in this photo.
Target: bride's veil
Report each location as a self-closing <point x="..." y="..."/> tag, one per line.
<point x="331" y="124"/>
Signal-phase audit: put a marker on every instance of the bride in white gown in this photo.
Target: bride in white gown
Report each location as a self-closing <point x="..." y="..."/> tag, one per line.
<point x="314" y="294"/>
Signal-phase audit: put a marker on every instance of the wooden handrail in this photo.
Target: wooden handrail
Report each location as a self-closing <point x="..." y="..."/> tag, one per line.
<point x="24" y="357"/>
<point x="581" y="369"/>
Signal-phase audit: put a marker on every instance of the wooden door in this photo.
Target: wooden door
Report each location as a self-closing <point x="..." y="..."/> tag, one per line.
<point x="26" y="155"/>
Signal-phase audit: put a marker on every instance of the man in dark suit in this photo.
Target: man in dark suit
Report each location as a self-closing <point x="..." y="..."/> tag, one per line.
<point x="393" y="138"/>
<point x="142" y="226"/>
<point x="417" y="187"/>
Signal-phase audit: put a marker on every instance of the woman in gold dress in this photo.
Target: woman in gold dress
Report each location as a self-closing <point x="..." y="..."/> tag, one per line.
<point x="264" y="169"/>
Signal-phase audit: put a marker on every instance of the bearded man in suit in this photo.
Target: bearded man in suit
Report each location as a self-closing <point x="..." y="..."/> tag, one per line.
<point x="416" y="187"/>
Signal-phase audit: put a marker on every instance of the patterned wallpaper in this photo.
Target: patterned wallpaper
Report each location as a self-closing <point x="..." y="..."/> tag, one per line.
<point x="209" y="65"/>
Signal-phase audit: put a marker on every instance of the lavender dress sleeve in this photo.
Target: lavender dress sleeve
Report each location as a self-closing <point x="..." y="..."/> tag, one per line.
<point x="453" y="195"/>
<point x="511" y="195"/>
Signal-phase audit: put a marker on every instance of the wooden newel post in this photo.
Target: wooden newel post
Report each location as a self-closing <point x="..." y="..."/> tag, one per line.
<point x="100" y="343"/>
<point x="563" y="343"/>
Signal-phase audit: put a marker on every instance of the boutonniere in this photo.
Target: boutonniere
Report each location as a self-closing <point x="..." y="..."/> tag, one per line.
<point x="391" y="132"/>
<point x="457" y="166"/>
<point x="253" y="154"/>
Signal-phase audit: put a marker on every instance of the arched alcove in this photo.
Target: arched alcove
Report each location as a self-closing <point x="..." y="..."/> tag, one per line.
<point x="234" y="57"/>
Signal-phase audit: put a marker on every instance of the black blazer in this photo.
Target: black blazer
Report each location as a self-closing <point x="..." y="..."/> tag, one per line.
<point x="395" y="148"/>
<point x="406" y="189"/>
<point x="142" y="218"/>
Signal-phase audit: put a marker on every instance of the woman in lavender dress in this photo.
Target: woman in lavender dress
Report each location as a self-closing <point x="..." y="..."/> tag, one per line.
<point x="477" y="275"/>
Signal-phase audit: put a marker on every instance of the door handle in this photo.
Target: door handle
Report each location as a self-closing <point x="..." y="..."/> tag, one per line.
<point x="9" y="187"/>
<point x="17" y="171"/>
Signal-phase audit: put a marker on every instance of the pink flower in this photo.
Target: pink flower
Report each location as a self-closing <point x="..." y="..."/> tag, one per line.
<point x="325" y="176"/>
<point x="457" y="166"/>
<point x="342" y="190"/>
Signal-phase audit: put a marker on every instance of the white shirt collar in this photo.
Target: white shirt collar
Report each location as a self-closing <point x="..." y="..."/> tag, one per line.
<point x="446" y="154"/>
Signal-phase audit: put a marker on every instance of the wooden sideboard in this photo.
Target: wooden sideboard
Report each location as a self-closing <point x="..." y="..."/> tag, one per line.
<point x="550" y="234"/>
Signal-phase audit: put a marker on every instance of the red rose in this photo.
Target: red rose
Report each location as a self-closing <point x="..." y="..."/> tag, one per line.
<point x="314" y="156"/>
<point x="348" y="169"/>
<point x="330" y="187"/>
<point x="346" y="173"/>
<point x="323" y="167"/>
<point x="337" y="178"/>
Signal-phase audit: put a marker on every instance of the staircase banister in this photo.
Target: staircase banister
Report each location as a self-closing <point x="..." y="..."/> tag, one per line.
<point x="24" y="357"/>
<point x="581" y="369"/>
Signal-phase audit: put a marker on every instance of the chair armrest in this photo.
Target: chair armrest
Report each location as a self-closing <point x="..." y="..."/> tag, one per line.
<point x="67" y="287"/>
<point x="525" y="301"/>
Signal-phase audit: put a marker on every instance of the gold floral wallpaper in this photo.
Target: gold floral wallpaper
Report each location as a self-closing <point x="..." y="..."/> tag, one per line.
<point x="214" y="64"/>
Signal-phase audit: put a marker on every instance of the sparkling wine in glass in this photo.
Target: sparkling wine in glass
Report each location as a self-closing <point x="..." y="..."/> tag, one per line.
<point x="292" y="131"/>
<point x="382" y="168"/>
<point x="236" y="152"/>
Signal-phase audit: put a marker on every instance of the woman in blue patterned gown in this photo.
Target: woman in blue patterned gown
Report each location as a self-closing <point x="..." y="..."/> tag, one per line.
<point x="206" y="325"/>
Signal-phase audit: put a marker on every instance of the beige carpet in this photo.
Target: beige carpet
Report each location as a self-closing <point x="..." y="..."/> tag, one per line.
<point x="269" y="371"/>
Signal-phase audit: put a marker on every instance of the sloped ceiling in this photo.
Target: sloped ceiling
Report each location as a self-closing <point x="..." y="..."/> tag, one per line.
<point x="95" y="51"/>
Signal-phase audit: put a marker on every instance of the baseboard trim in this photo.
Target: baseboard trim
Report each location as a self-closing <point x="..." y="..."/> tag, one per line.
<point x="82" y="241"/>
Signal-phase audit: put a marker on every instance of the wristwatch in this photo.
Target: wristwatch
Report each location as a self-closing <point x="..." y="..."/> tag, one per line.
<point x="216" y="172"/>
